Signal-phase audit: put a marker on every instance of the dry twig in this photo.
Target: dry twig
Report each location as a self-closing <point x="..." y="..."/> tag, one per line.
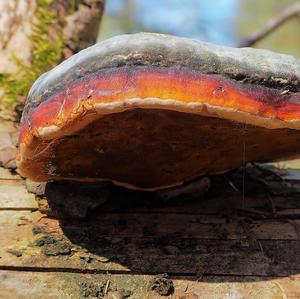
<point x="276" y="21"/>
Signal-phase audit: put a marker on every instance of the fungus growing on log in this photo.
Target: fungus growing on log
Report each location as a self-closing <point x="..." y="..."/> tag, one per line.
<point x="150" y="111"/>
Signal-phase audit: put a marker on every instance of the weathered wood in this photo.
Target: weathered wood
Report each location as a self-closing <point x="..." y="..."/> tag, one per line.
<point x="200" y="227"/>
<point x="6" y="175"/>
<point x="13" y="195"/>
<point x="141" y="244"/>
<point x="226" y="205"/>
<point x="233" y="259"/>
<point x="126" y="243"/>
<point x="13" y="192"/>
<point x="276" y="194"/>
<point x="74" y="285"/>
<point x="8" y="139"/>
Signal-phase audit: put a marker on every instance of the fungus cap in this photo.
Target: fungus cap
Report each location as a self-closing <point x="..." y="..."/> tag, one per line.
<point x="151" y="111"/>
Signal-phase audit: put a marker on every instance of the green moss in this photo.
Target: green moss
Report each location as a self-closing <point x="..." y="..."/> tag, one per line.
<point x="72" y="7"/>
<point x="46" y="54"/>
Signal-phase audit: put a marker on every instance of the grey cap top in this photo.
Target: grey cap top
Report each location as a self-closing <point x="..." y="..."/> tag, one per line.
<point x="158" y="50"/>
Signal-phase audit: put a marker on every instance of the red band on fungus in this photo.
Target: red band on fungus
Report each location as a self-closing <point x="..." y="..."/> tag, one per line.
<point x="164" y="84"/>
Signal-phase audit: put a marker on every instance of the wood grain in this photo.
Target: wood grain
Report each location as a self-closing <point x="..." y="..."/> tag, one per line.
<point x="242" y="250"/>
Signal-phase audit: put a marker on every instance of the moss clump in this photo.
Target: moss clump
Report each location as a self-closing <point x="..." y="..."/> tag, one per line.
<point x="73" y="7"/>
<point x="47" y="52"/>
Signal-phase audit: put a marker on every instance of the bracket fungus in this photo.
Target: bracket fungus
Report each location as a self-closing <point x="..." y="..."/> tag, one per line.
<point x="150" y="111"/>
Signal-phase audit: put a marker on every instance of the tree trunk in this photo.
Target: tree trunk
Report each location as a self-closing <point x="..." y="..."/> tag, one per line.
<point x="35" y="35"/>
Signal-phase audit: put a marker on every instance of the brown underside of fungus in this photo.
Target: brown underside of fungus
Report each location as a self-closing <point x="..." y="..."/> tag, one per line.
<point x="150" y="111"/>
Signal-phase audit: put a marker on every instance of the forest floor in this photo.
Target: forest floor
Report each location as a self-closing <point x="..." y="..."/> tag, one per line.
<point x="226" y="244"/>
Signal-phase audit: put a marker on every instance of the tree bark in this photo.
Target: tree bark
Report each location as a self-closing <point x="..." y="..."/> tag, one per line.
<point x="74" y="23"/>
<point x="15" y="27"/>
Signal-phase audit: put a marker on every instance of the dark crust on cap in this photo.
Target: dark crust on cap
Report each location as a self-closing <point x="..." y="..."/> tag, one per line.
<point x="245" y="65"/>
